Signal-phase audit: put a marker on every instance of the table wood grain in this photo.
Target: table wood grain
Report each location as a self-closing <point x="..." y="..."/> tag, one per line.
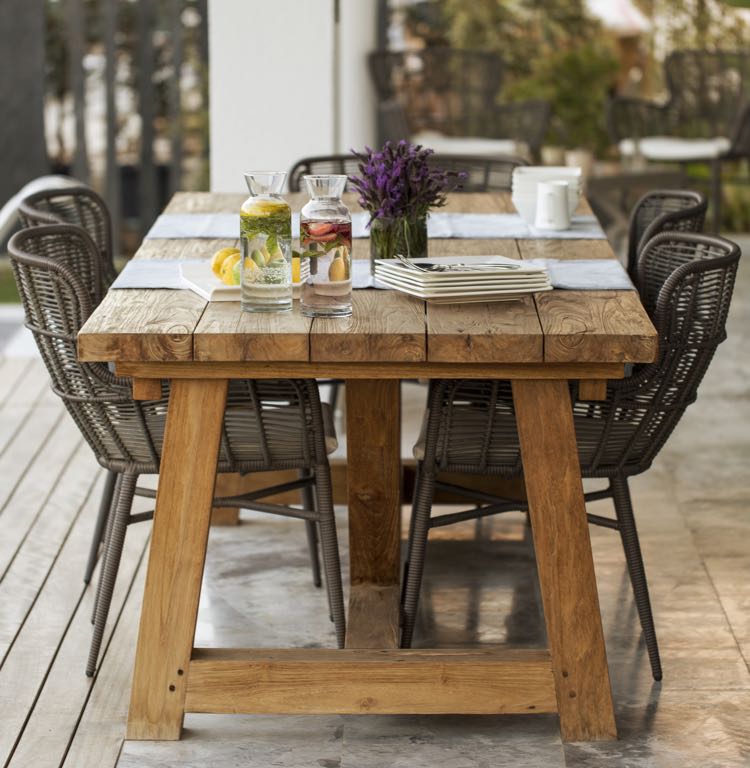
<point x="386" y="326"/>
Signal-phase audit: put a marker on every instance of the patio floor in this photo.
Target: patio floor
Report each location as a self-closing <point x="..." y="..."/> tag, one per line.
<point x="694" y="518"/>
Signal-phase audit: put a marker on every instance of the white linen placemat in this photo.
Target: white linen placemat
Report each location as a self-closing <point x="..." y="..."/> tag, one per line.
<point x="149" y="273"/>
<point x="586" y="274"/>
<point x="568" y="274"/>
<point x="439" y="225"/>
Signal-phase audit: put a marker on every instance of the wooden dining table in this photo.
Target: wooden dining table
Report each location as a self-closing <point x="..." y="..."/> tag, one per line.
<point x="540" y="343"/>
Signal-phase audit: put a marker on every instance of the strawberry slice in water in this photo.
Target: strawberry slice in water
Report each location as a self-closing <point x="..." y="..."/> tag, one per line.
<point x="318" y="228"/>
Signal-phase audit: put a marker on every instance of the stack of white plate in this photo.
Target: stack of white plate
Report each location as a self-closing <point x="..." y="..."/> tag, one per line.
<point x="470" y="278"/>
<point x="527" y="177"/>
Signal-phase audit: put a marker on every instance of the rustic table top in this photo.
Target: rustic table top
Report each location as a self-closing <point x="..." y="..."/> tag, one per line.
<point x="563" y="327"/>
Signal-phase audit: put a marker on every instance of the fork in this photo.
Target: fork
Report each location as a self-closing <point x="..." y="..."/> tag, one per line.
<point x="452" y="267"/>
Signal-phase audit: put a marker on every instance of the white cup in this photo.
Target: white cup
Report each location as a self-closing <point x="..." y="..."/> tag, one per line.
<point x="552" y="205"/>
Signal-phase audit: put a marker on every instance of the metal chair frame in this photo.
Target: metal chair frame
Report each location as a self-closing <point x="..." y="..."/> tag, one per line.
<point x="268" y="425"/>
<point x="470" y="426"/>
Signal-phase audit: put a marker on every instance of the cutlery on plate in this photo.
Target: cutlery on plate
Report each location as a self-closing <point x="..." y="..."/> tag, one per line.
<point x="427" y="267"/>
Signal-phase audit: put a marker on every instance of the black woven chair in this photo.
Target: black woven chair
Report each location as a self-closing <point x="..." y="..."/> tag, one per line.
<point x="483" y="174"/>
<point x="661" y="211"/>
<point x="707" y="100"/>
<point x="268" y="425"/>
<point x="470" y="426"/>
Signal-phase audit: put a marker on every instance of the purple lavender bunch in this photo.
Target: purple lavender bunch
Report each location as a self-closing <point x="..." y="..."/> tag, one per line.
<point x="399" y="181"/>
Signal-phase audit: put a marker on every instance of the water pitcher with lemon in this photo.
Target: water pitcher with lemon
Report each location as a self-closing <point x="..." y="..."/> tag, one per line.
<point x="326" y="248"/>
<point x="266" y="234"/>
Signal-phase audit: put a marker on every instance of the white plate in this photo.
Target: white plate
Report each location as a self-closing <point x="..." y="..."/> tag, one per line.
<point x="474" y="285"/>
<point x="427" y="293"/>
<point x="395" y="267"/>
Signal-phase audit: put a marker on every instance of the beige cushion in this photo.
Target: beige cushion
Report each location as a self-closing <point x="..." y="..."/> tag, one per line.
<point x="674" y="149"/>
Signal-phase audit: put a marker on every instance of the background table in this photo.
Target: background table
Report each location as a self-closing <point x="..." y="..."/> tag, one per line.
<point x="540" y="343"/>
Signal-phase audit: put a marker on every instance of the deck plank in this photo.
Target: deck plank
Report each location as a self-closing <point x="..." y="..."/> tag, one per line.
<point x="66" y="691"/>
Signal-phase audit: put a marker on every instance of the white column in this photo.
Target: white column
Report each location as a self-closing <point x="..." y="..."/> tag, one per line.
<point x="357" y="35"/>
<point x="271" y="91"/>
<point x="271" y="80"/>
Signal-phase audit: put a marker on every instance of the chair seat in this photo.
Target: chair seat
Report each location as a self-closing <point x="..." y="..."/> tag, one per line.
<point x="470" y="145"/>
<point x="675" y="149"/>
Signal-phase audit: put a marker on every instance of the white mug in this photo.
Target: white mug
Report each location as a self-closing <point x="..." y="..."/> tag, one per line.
<point x="552" y="205"/>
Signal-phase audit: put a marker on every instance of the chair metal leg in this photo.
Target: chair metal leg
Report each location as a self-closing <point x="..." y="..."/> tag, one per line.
<point x="329" y="544"/>
<point x="311" y="528"/>
<point x="333" y="397"/>
<point x="419" y="531"/>
<point x="634" y="558"/>
<point x="716" y="194"/>
<point x="101" y="521"/>
<point x="107" y="536"/>
<point x="111" y="566"/>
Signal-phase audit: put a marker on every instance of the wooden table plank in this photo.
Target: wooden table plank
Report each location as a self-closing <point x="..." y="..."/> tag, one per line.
<point x="465" y="681"/>
<point x="226" y="333"/>
<point x="176" y="558"/>
<point x="385" y="326"/>
<point x="565" y="249"/>
<point x="564" y="562"/>
<point x="155" y="325"/>
<point x="595" y="326"/>
<point x="503" y="332"/>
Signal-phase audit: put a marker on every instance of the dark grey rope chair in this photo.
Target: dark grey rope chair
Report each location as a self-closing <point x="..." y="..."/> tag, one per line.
<point x="85" y="208"/>
<point x="268" y="425"/>
<point x="661" y="211"/>
<point x="483" y="174"/>
<point x="470" y="426"/>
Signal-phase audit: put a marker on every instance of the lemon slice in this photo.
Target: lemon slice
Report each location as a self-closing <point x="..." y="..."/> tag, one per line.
<point x="218" y="259"/>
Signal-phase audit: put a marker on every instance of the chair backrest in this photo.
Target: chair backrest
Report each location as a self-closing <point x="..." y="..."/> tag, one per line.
<point x="320" y="164"/>
<point x="483" y="174"/>
<point x="443" y="89"/>
<point x="54" y="265"/>
<point x="82" y="207"/>
<point x="687" y="282"/>
<point x="267" y="423"/>
<point x="663" y="210"/>
<point x="706" y="89"/>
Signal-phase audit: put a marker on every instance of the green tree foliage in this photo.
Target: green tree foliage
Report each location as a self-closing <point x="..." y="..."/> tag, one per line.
<point x="553" y="50"/>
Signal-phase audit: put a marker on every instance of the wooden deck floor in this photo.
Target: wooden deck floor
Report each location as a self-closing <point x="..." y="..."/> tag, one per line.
<point x="50" y="713"/>
<point x="693" y="512"/>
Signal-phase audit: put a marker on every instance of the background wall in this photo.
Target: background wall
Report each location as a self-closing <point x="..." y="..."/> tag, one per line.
<point x="272" y="80"/>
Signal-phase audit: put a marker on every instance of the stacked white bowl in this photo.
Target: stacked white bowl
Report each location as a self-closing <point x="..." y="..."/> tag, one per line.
<point x="526" y="178"/>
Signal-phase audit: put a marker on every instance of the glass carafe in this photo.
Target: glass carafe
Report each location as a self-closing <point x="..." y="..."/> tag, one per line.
<point x="266" y="233"/>
<point x="326" y="248"/>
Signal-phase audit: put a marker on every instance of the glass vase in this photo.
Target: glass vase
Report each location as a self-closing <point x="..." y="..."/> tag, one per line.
<point x="266" y="234"/>
<point x="326" y="248"/>
<point x="405" y="235"/>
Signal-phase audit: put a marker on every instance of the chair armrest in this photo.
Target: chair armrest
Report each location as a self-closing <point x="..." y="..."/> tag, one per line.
<point x="525" y="121"/>
<point x="629" y="118"/>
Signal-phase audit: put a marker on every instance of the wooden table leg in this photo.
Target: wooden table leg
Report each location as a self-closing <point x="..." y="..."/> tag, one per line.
<point x="373" y="440"/>
<point x="175" y="566"/>
<point x="564" y="559"/>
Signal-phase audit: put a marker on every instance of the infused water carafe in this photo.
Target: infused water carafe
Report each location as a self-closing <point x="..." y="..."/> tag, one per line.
<point x="266" y="234"/>
<point x="326" y="248"/>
